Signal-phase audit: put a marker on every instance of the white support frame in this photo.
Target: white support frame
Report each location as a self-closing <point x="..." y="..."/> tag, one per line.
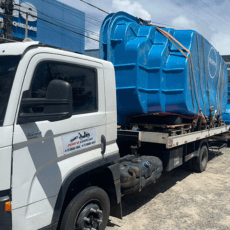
<point x="174" y="141"/>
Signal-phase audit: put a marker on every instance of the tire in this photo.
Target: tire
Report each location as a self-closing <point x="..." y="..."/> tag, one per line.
<point x="79" y="215"/>
<point x="200" y="163"/>
<point x="188" y="165"/>
<point x="228" y="143"/>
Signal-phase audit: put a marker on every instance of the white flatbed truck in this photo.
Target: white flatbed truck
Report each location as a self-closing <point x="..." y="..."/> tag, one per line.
<point x="60" y="164"/>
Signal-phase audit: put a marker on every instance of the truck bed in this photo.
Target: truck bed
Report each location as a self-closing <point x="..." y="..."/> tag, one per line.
<point x="172" y="141"/>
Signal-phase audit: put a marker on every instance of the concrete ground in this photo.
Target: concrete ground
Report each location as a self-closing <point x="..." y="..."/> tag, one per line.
<point x="182" y="200"/>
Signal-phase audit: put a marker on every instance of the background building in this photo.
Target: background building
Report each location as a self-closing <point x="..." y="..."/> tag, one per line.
<point x="49" y="22"/>
<point x="93" y="53"/>
<point x="227" y="60"/>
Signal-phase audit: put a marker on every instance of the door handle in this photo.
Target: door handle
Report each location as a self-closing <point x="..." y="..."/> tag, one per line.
<point x="103" y="144"/>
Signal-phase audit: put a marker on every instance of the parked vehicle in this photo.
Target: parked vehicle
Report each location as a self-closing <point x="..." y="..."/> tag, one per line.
<point x="64" y="161"/>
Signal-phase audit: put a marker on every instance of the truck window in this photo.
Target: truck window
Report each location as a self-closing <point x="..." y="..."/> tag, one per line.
<point x="8" y="67"/>
<point x="82" y="79"/>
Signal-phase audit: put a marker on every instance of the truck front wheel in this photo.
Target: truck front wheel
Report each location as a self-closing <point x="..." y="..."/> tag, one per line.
<point x="87" y="210"/>
<point x="200" y="163"/>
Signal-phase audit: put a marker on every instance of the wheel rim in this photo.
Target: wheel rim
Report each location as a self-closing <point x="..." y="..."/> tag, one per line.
<point x="89" y="217"/>
<point x="204" y="158"/>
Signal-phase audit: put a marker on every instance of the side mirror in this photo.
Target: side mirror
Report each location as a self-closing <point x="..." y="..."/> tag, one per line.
<point x="57" y="104"/>
<point x="60" y="92"/>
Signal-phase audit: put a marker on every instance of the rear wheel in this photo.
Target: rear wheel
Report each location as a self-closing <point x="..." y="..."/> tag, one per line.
<point x="89" y="210"/>
<point x="200" y="163"/>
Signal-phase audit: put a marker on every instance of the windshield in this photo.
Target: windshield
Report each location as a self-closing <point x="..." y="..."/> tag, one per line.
<point x="8" y="67"/>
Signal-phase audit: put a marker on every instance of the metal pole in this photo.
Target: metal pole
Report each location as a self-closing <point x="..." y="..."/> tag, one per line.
<point x="26" y="35"/>
<point x="8" y="19"/>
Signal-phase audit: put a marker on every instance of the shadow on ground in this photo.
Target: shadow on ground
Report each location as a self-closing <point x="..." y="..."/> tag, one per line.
<point x="110" y="224"/>
<point x="214" y="154"/>
<point x="131" y="203"/>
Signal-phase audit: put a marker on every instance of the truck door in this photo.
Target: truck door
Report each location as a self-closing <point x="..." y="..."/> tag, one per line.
<point x="45" y="152"/>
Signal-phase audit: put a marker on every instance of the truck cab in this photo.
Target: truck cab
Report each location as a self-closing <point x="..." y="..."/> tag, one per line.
<point x="51" y="137"/>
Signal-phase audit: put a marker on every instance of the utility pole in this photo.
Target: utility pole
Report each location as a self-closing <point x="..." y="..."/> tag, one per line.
<point x="26" y="32"/>
<point x="8" y="19"/>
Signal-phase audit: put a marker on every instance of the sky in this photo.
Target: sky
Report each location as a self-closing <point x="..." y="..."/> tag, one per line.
<point x="211" y="18"/>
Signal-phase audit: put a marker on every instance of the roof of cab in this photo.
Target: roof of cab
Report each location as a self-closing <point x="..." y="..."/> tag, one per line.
<point x="18" y="48"/>
<point x="15" y="48"/>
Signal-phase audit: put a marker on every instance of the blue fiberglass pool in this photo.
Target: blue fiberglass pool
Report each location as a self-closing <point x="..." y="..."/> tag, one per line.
<point x="226" y="115"/>
<point x="152" y="75"/>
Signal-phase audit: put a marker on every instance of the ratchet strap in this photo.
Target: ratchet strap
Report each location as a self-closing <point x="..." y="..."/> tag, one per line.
<point x="176" y="43"/>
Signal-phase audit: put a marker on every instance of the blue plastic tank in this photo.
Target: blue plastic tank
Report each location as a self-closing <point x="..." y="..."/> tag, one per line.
<point x="152" y="75"/>
<point x="226" y="115"/>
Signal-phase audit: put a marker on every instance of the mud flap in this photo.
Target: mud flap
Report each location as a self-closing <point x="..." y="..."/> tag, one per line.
<point x="115" y="199"/>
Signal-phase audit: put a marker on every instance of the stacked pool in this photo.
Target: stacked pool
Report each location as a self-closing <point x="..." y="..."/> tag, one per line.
<point x="153" y="75"/>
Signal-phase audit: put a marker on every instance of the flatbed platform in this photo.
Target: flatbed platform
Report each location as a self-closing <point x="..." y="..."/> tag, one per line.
<point x="172" y="141"/>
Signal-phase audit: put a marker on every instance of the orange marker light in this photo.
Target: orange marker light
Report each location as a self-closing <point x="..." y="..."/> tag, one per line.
<point x="116" y="181"/>
<point x="8" y="206"/>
